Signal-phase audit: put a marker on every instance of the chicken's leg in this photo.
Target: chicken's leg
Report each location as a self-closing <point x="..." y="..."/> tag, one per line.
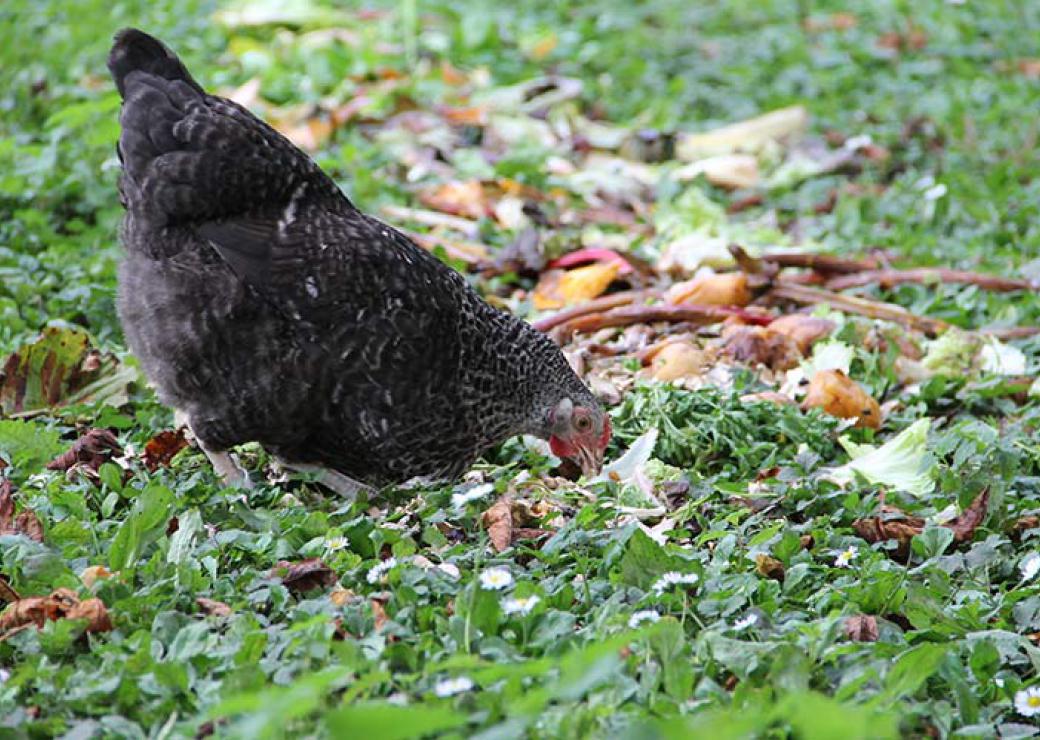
<point x="334" y="480"/>
<point x="227" y="466"/>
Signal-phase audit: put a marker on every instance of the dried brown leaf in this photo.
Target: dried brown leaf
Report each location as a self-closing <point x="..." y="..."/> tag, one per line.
<point x="560" y="288"/>
<point x="839" y="395"/>
<point x="861" y="628"/>
<point x="498" y="521"/>
<point x="724" y="289"/>
<point x="303" y="576"/>
<point x="25" y="522"/>
<point x="161" y="448"/>
<point x="467" y="199"/>
<point x="94" y="573"/>
<point x="61" y="604"/>
<point x="379" y="613"/>
<point x="964" y="526"/>
<point x="757" y="345"/>
<point x="213" y="607"/>
<point x="803" y="329"/>
<point x="769" y="567"/>
<point x="88" y="453"/>
<point x="678" y="360"/>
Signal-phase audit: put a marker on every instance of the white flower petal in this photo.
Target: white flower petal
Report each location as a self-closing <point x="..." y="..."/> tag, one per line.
<point x="1027" y="701"/>
<point x="638" y="618"/>
<point x="375" y="575"/>
<point x="495" y="579"/>
<point x="452" y="686"/>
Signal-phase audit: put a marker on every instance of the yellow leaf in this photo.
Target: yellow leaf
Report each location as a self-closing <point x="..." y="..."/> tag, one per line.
<point x="559" y="288"/>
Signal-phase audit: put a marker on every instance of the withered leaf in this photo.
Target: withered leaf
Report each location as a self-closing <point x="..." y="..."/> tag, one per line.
<point x="94" y="573"/>
<point x="805" y="330"/>
<point x="213" y="607"/>
<point x="678" y="360"/>
<point x="758" y="345"/>
<point x="964" y="526"/>
<point x="530" y="533"/>
<point x="861" y="628"/>
<point x="725" y="289"/>
<point x="839" y="395"/>
<point x="498" y="521"/>
<point x="303" y="576"/>
<point x="769" y="567"/>
<point x="89" y="452"/>
<point x="466" y="199"/>
<point x="25" y="522"/>
<point x="1024" y="524"/>
<point x="379" y="613"/>
<point x="161" y="448"/>
<point x="7" y="593"/>
<point x="894" y="524"/>
<point x="560" y="288"/>
<point x="61" y="604"/>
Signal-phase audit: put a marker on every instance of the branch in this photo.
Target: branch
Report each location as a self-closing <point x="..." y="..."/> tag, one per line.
<point x="628" y="315"/>
<point x="928" y="275"/>
<point x="596" y="305"/>
<point x="851" y="304"/>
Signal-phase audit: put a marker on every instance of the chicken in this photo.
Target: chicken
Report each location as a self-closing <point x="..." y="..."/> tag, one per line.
<point x="265" y="307"/>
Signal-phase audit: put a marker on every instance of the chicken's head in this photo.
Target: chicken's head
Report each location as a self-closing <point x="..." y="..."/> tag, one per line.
<point x="580" y="432"/>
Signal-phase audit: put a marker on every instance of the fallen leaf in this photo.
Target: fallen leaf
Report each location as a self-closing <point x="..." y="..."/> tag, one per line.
<point x="160" y="449"/>
<point x="467" y="199"/>
<point x="61" y="604"/>
<point x="861" y="628"/>
<point x="303" y="576"/>
<point x="7" y="594"/>
<point x="731" y="171"/>
<point x="768" y="397"/>
<point x="560" y="288"/>
<point x="723" y="289"/>
<point x="747" y="136"/>
<point x="213" y="607"/>
<point x="1024" y="524"/>
<point x="530" y="533"/>
<point x="758" y="345"/>
<point x="839" y="395"/>
<point x="895" y="524"/>
<point x="379" y="613"/>
<point x="498" y="521"/>
<point x="678" y="360"/>
<point x="88" y="453"/>
<point x="769" y="567"/>
<point x="805" y="330"/>
<point x="93" y="573"/>
<point x="341" y="596"/>
<point x="58" y="369"/>
<point x="968" y="521"/>
<point x="25" y="522"/>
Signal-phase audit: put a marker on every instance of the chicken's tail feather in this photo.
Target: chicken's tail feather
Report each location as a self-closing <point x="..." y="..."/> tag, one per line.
<point x="136" y="51"/>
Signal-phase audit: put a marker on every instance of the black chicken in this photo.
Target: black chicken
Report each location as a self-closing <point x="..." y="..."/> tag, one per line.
<point x="265" y="307"/>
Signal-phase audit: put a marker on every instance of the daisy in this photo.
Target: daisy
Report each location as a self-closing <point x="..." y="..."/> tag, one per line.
<point x="495" y="579"/>
<point x="845" y="557"/>
<point x="1027" y="701"/>
<point x="336" y="543"/>
<point x="378" y="571"/>
<point x="647" y="615"/>
<point x="745" y="622"/>
<point x="672" y="578"/>
<point x="1029" y="566"/>
<point x="520" y="604"/>
<point x="452" y="686"/>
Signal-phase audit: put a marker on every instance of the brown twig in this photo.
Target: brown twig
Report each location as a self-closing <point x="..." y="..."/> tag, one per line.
<point x="927" y="275"/>
<point x="1012" y="332"/>
<point x="596" y="305"/>
<point x="820" y="262"/>
<point x="851" y="304"/>
<point x="628" y="315"/>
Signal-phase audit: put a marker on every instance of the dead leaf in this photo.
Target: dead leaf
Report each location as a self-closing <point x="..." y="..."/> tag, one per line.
<point x="530" y="533"/>
<point x="964" y="526"/>
<point x="88" y="453"/>
<point x="93" y="573"/>
<point x="213" y="607"/>
<point x="303" y="576"/>
<point x="805" y="330"/>
<point x="467" y="199"/>
<point x="895" y="524"/>
<point x="341" y="596"/>
<point x="731" y="171"/>
<point x="560" y="288"/>
<point x="61" y="604"/>
<point x="7" y="594"/>
<point x="498" y="521"/>
<point x="839" y="395"/>
<point x="746" y="136"/>
<point x="379" y="613"/>
<point x="25" y="522"/>
<point x="768" y="397"/>
<point x="678" y="360"/>
<point x="1023" y="525"/>
<point x="724" y="289"/>
<point x="160" y="449"/>
<point x="861" y="628"/>
<point x="758" y="345"/>
<point x="58" y="369"/>
<point x="769" y="567"/>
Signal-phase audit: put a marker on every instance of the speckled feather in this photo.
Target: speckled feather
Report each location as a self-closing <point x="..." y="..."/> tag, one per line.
<point x="266" y="307"/>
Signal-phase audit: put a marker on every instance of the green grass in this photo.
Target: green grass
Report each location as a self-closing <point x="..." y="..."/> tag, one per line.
<point x="954" y="621"/>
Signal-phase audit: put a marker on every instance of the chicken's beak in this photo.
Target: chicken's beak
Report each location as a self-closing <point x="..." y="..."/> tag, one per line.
<point x="590" y="459"/>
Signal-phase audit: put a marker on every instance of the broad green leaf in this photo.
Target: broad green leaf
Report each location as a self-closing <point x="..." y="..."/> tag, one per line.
<point x="391" y="722"/>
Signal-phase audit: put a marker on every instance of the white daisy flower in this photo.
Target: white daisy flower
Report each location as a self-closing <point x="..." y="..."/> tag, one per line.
<point x="520" y="604"/>
<point x="452" y="686"/>
<point x="378" y="571"/>
<point x="458" y="500"/>
<point x="647" y="615"/>
<point x="1027" y="701"/>
<point x="673" y="578"/>
<point x="744" y="622"/>
<point x="495" y="579"/>
<point x="4" y="675"/>
<point x="1029" y="566"/>
<point x="845" y="557"/>
<point x="336" y="543"/>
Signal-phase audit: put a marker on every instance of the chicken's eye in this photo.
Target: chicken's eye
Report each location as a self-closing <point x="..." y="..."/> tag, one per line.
<point x="583" y="423"/>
